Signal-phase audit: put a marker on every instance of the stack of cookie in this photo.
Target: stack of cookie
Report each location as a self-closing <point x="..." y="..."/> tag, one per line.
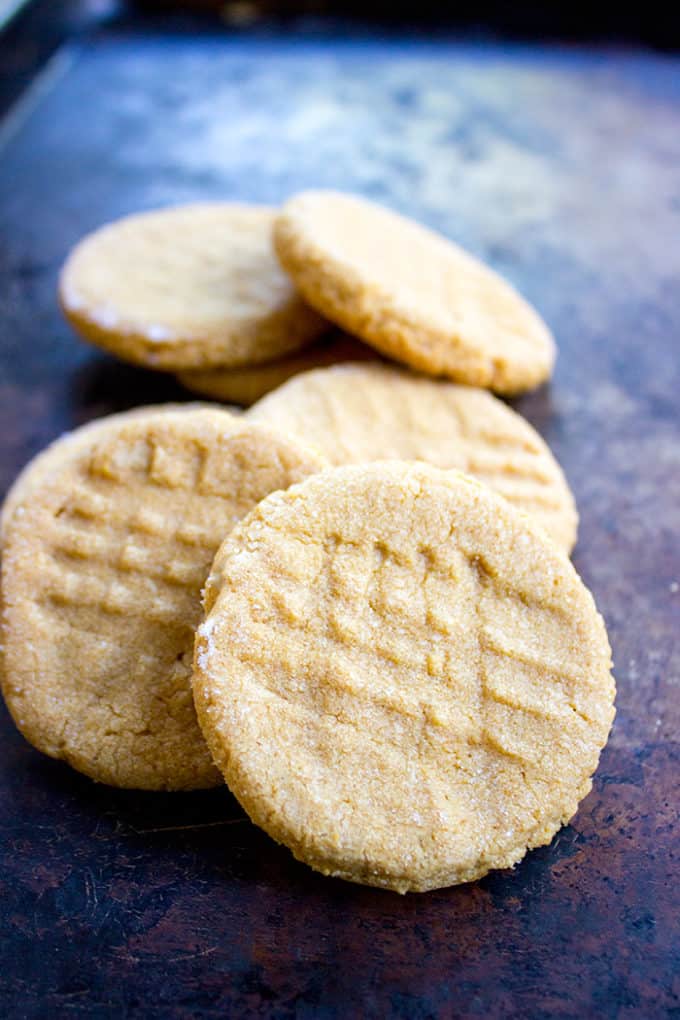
<point x="201" y="290"/>
<point x="354" y="602"/>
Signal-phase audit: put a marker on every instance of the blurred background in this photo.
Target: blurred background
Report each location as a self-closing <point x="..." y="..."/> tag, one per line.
<point x="656" y="23"/>
<point x="32" y="29"/>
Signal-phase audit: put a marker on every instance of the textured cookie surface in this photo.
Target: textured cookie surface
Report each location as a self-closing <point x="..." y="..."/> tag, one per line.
<point x="411" y="293"/>
<point x="49" y="460"/>
<point x="246" y="385"/>
<point x="101" y="579"/>
<point x="356" y="413"/>
<point x="428" y="675"/>
<point x="186" y="287"/>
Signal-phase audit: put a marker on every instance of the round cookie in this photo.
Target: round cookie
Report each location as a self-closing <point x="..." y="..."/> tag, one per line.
<point x="411" y="293"/>
<point x="186" y="287"/>
<point x="101" y="586"/>
<point x="358" y="413"/>
<point x="246" y="385"/>
<point x="49" y="460"/>
<point x="428" y="674"/>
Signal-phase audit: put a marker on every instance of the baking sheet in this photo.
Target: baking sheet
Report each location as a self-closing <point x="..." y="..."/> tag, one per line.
<point x="559" y="167"/>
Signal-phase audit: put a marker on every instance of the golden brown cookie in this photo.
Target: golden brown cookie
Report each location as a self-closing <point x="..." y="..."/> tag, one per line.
<point x="186" y="287"/>
<point x="34" y="475"/>
<point x="357" y="413"/>
<point x="101" y="578"/>
<point x="411" y="293"/>
<point x="426" y="671"/>
<point x="246" y="385"/>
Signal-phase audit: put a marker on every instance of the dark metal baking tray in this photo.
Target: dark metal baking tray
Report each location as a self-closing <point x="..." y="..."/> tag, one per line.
<point x="559" y="165"/>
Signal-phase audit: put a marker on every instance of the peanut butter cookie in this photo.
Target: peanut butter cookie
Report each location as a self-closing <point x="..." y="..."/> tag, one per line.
<point x="356" y="413"/>
<point x="49" y="460"/>
<point x="411" y="293"/>
<point x="101" y="578"/>
<point x="426" y="671"/>
<point x="186" y="287"/>
<point x="246" y="385"/>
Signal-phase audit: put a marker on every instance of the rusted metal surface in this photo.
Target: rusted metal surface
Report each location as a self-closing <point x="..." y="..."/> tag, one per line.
<point x="560" y="168"/>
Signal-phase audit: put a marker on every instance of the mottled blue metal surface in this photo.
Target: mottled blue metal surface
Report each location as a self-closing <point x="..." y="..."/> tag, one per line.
<point x="558" y="166"/>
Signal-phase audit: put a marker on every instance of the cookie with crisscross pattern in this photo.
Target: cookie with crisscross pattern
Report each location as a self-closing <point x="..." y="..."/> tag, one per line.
<point x="102" y="573"/>
<point x="356" y="413"/>
<point x="401" y="678"/>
